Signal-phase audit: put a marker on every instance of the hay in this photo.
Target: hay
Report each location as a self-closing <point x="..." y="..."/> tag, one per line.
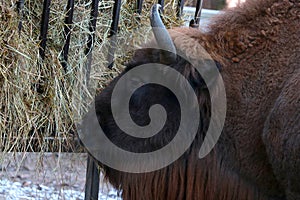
<point x="37" y="97"/>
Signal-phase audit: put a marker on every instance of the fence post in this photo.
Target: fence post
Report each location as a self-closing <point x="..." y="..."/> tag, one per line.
<point x="67" y="33"/>
<point x="91" y="38"/>
<point x="139" y="6"/>
<point x="92" y="180"/>
<point x="180" y="8"/>
<point x="44" y="28"/>
<point x="162" y="3"/>
<point x="195" y="23"/>
<point x="113" y="33"/>
<point x="20" y="7"/>
<point x="92" y="173"/>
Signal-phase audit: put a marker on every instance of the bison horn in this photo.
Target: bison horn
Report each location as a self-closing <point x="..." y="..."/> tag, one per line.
<point x="162" y="37"/>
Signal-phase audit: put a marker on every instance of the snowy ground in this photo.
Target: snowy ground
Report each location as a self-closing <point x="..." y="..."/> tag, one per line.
<point x="10" y="190"/>
<point x="55" y="177"/>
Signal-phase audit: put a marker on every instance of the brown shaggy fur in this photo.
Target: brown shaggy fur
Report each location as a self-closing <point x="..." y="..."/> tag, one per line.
<point x="258" y="154"/>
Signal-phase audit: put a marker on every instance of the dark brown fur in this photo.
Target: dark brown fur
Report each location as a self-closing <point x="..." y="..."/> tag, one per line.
<point x="258" y="154"/>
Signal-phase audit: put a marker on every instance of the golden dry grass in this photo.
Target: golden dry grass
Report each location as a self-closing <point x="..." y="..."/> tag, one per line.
<point x="40" y="102"/>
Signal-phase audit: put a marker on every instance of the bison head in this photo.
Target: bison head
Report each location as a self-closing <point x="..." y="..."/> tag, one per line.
<point x="158" y="109"/>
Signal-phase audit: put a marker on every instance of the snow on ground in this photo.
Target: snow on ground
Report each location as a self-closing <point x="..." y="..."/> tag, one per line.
<point x="10" y="190"/>
<point x="53" y="176"/>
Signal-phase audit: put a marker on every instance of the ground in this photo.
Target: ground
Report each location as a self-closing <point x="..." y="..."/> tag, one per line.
<point x="47" y="176"/>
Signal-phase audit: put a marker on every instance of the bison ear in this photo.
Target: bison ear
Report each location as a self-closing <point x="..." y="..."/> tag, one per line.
<point x="204" y="76"/>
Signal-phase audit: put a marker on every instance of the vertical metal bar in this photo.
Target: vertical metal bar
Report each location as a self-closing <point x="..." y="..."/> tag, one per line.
<point x="67" y="33"/>
<point x="92" y="180"/>
<point x="44" y="28"/>
<point x="116" y="16"/>
<point x="113" y="32"/>
<point x="162" y="3"/>
<point x="91" y="38"/>
<point x="92" y="173"/>
<point x="139" y="6"/>
<point x="198" y="11"/>
<point x="180" y="8"/>
<point x="195" y="23"/>
<point x="20" y="7"/>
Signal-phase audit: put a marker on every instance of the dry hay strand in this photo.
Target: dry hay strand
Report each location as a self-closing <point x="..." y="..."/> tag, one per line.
<point x="40" y="102"/>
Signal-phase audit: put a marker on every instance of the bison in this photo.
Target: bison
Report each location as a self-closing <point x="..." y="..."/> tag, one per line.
<point x="257" y="49"/>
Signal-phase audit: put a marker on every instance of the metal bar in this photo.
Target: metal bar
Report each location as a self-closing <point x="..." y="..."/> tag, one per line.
<point x="92" y="180"/>
<point x="180" y="8"/>
<point x="116" y="17"/>
<point x="139" y="6"/>
<point x="44" y="28"/>
<point x="198" y="11"/>
<point x="20" y="7"/>
<point x="91" y="38"/>
<point x="162" y="3"/>
<point x="92" y="173"/>
<point x="113" y="32"/>
<point x="67" y="32"/>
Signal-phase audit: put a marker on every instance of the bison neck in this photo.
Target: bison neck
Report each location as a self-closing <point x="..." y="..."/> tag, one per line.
<point x="187" y="178"/>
